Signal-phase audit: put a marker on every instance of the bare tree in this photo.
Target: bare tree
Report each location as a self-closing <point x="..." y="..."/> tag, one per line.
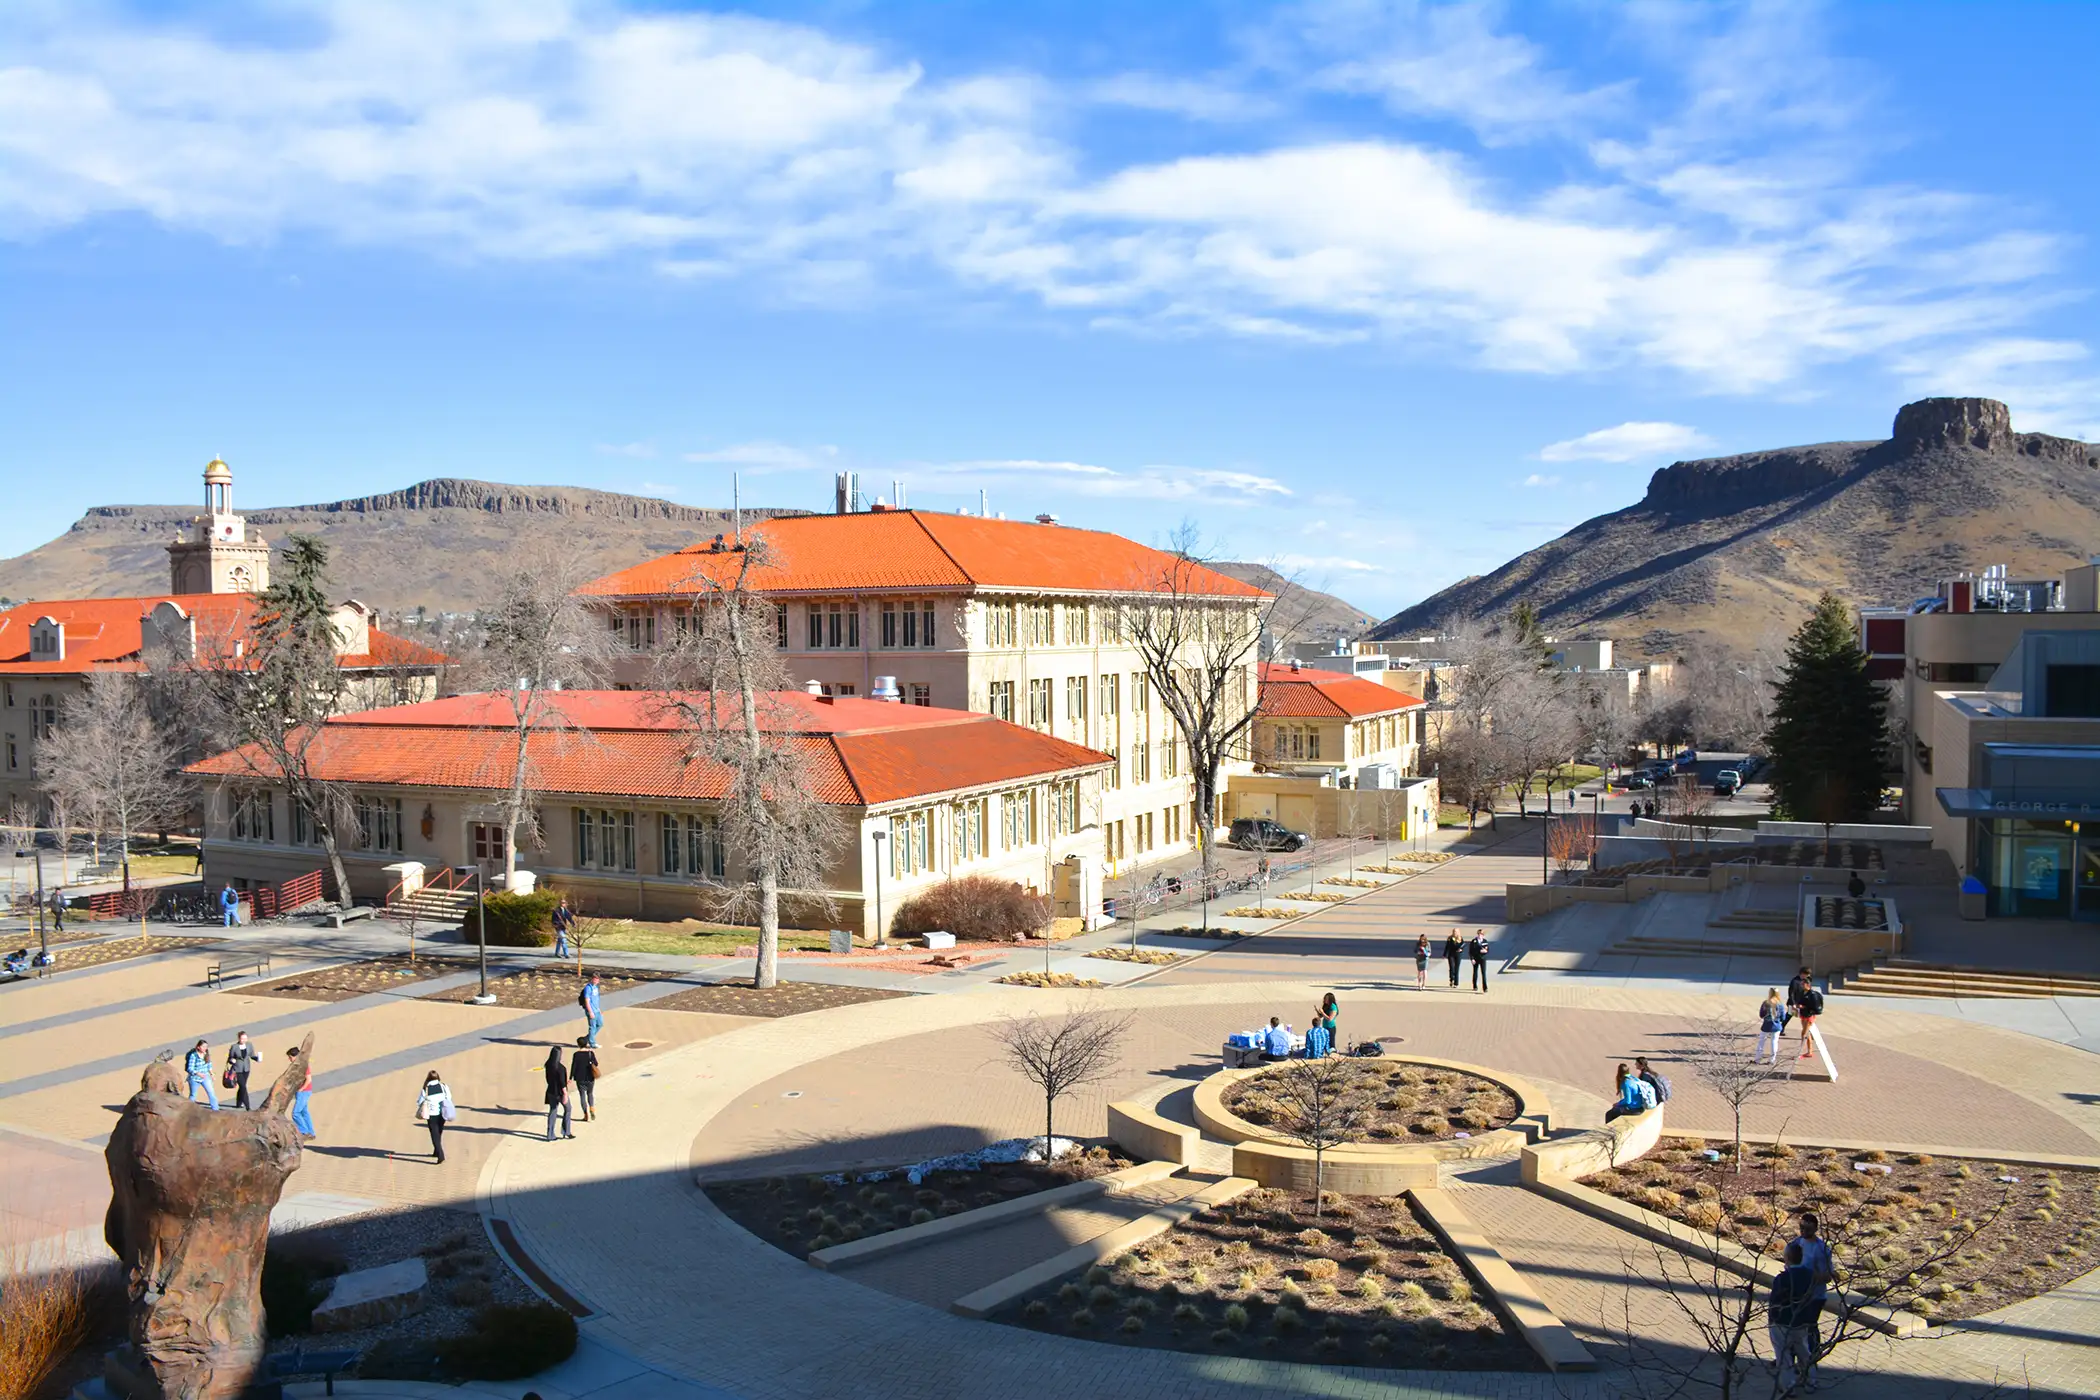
<point x="1686" y="807"/>
<point x="1199" y="643"/>
<point x="1605" y="714"/>
<point x="725" y="682"/>
<point x="1471" y="753"/>
<point x="1724" y="1059"/>
<point x="1536" y="726"/>
<point x="586" y="930"/>
<point x="1570" y="841"/>
<point x="1320" y="1104"/>
<point x="108" y="758"/>
<point x="539" y="639"/>
<point x="1061" y="1054"/>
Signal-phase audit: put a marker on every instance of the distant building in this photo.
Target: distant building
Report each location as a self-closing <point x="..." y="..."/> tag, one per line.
<point x="629" y="818"/>
<point x="49" y="648"/>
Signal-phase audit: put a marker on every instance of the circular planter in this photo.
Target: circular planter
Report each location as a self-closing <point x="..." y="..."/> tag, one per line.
<point x="1363" y="1168"/>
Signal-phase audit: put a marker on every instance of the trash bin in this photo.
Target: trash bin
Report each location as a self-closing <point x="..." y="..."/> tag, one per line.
<point x="1973" y="897"/>
<point x="841" y="941"/>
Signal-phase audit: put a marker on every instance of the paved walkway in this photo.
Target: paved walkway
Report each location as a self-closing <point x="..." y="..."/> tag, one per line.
<point x="619" y="1222"/>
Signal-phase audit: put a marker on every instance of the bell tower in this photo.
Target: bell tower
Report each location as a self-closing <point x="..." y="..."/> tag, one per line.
<point x="217" y="555"/>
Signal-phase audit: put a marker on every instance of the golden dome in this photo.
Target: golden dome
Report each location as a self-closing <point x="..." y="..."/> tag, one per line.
<point x="217" y="470"/>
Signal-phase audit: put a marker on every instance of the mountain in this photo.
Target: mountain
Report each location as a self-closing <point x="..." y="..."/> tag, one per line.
<point x="434" y="545"/>
<point x="1736" y="549"/>
<point x="1307" y="614"/>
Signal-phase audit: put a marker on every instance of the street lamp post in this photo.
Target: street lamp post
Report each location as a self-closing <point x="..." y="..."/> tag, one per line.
<point x="882" y="932"/>
<point x="484" y="997"/>
<point x="43" y="941"/>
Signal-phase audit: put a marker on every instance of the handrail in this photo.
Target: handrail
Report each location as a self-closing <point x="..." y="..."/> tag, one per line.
<point x="447" y="880"/>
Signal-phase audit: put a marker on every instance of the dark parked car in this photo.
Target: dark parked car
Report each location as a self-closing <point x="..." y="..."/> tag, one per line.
<point x="1636" y="782"/>
<point x="1261" y="834"/>
<point x="1726" y="782"/>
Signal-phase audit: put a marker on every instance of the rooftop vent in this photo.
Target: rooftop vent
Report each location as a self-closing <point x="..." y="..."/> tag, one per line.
<point x="814" y="687"/>
<point x="886" y="690"/>
<point x="1046" y="518"/>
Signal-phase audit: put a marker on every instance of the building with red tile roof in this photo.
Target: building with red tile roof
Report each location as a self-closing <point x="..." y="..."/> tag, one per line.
<point x="1016" y="619"/>
<point x="628" y="804"/>
<point x="1327" y="721"/>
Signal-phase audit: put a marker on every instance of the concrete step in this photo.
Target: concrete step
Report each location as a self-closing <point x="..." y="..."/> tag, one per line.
<point x="1908" y="979"/>
<point x="1641" y="946"/>
<point x="445" y="906"/>
<point x="1777" y="920"/>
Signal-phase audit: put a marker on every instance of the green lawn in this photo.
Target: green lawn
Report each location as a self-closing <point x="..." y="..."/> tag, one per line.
<point x="1574" y="775"/>
<point x="694" y="939"/>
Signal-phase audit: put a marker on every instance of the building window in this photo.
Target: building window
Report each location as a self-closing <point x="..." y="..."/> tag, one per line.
<point x="1141" y="760"/>
<point x="999" y="700"/>
<point x="1113" y="778"/>
<point x="1079" y="629"/>
<point x="1143" y="825"/>
<point x="486" y="841"/>
<point x="1173" y="824"/>
<point x="1170" y="758"/>
<point x="923" y="695"/>
<point x="999" y="627"/>
<point x="970" y="820"/>
<point x="1140" y="693"/>
<point x="253" y="811"/>
<point x="1039" y="704"/>
<point x="1017" y="817"/>
<point x="691" y="846"/>
<point x="8" y="690"/>
<point x="1113" y="841"/>
<point x="886" y="635"/>
<point x="780" y="626"/>
<point x="924" y="635"/>
<point x="13" y="759"/>
<point x="816" y="626"/>
<point x="1064" y="807"/>
<point x="1075" y="705"/>
<point x="604" y="840"/>
<point x="641" y="631"/>
<point x="1111" y="696"/>
<point x="48" y="728"/>
<point x="1041" y="621"/>
<point x="378" y="823"/>
<point x="911" y="850"/>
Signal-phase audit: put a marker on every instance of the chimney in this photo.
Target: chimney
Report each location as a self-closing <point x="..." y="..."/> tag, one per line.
<point x="886" y="690"/>
<point x="814" y="686"/>
<point x="845" y="493"/>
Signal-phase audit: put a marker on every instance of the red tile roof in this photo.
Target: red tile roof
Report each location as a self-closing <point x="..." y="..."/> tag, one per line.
<point x="1304" y="694"/>
<point x="107" y="634"/>
<point x="909" y="549"/>
<point x="627" y="744"/>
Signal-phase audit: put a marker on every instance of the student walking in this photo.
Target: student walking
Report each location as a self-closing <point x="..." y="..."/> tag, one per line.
<point x="1791" y="1311"/>
<point x="58" y="908"/>
<point x="240" y="1063"/>
<point x="434" y="1107"/>
<point x="1480" y="960"/>
<point x="1771" y="1024"/>
<point x="583" y="1073"/>
<point x="564" y="920"/>
<point x="197" y="1066"/>
<point x="558" y="1093"/>
<point x="1453" y="951"/>
<point x="593" y="1016"/>
<point x="230" y="905"/>
<point x="1806" y="1002"/>
<point x="303" y="1101"/>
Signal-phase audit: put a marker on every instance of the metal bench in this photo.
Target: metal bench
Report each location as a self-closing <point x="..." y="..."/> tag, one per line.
<point x="303" y="1362"/>
<point x="338" y="917"/>
<point x="235" y="966"/>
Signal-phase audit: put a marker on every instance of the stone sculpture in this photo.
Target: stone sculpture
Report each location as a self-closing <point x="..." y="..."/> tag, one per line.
<point x="191" y="1192"/>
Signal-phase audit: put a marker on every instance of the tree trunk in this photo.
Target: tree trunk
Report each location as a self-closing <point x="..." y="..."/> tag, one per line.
<point x="514" y="814"/>
<point x="1049" y="1124"/>
<point x="768" y="971"/>
<point x="336" y="867"/>
<point x="1319" y="1181"/>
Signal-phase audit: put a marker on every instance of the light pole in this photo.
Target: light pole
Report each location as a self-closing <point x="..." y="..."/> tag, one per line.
<point x="484" y="997"/>
<point x="882" y="932"/>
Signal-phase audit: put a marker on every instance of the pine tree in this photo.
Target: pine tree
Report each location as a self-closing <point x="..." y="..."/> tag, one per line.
<point x="1828" y="724"/>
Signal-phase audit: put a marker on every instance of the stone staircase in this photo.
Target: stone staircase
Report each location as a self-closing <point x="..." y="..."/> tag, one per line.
<point x="1901" y="977"/>
<point x="1645" y="946"/>
<point x="433" y="906"/>
<point x="1756" y="921"/>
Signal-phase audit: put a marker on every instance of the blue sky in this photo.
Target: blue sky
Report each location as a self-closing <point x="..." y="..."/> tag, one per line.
<point x="1382" y="292"/>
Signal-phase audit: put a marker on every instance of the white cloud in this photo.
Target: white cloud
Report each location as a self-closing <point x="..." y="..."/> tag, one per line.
<point x="1157" y="483"/>
<point x="1537" y="480"/>
<point x="1724" y="228"/>
<point x="1625" y="443"/>
<point x="1315" y="563"/>
<point x="2051" y="386"/>
<point x="764" y="456"/>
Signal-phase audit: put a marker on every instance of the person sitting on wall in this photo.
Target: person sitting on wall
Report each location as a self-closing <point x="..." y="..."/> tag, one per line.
<point x="1636" y="1095"/>
<point x="17" y="962"/>
<point x="1275" y="1041"/>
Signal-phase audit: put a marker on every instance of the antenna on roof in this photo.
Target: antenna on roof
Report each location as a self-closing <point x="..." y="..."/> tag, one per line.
<point x="983" y="510"/>
<point x="736" y="507"/>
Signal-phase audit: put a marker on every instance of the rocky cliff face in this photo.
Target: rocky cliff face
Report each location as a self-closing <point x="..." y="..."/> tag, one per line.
<point x="1736" y="548"/>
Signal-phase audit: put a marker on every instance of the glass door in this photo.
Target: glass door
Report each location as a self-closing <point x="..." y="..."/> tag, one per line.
<point x="2088" y="890"/>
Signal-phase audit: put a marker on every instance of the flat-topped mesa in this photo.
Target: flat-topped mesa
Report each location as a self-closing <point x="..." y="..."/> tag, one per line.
<point x="1984" y="424"/>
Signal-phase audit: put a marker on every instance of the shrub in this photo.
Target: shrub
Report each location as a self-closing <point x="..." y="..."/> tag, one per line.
<point x="976" y="908"/>
<point x="1320" y="1270"/>
<point x="515" y="920"/>
<point x="1287" y="1320"/>
<point x="1188" y="1312"/>
<point x="920" y="1216"/>
<point x="45" y="1316"/>
<point x="1236" y="1318"/>
<point x="1133" y="1323"/>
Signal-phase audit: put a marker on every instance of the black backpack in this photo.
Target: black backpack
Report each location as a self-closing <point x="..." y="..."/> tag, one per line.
<point x="1369" y="1049"/>
<point x="583" y="998"/>
<point x="1811" y="1002"/>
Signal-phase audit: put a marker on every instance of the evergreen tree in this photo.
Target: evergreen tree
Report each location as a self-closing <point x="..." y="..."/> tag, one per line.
<point x="1828" y="724"/>
<point x="1527" y="636"/>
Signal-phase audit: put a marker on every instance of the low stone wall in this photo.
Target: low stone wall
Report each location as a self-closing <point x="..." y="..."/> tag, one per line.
<point x="1351" y="1171"/>
<point x="1616" y="1143"/>
<point x="1150" y="1137"/>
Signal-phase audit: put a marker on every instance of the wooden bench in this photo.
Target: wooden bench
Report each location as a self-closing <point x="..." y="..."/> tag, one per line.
<point x="310" y="1363"/>
<point x="234" y="966"/>
<point x="338" y="917"/>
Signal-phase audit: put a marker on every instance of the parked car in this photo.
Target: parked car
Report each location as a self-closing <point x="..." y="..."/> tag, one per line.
<point x="1261" y="834"/>
<point x="1637" y="782"/>
<point x="1726" y="782"/>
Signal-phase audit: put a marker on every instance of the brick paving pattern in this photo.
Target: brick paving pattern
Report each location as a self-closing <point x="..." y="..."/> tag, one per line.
<point x="786" y="999"/>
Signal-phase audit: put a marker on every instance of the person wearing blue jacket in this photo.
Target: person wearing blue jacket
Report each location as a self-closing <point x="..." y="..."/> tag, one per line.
<point x="230" y="905"/>
<point x="1636" y="1095"/>
<point x="197" y="1067"/>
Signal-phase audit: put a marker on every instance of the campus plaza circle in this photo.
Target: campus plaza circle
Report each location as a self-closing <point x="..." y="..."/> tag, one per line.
<point x="618" y="1220"/>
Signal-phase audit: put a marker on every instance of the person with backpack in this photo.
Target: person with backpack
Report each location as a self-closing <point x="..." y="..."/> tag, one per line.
<point x="1421" y="962"/>
<point x="197" y="1067"/>
<point x="434" y="1107"/>
<point x="558" y="1093"/>
<point x="1453" y="951"/>
<point x="564" y="920"/>
<point x="1480" y="960"/>
<point x="1810" y="1006"/>
<point x="593" y="1015"/>
<point x="230" y="906"/>
<point x="1791" y="1311"/>
<point x="1660" y="1083"/>
<point x="1635" y="1095"/>
<point x="1771" y="1024"/>
<point x="240" y="1063"/>
<point x="58" y="909"/>
<point x="583" y="1073"/>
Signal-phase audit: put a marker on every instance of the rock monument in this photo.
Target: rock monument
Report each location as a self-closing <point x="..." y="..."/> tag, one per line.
<point x="191" y="1193"/>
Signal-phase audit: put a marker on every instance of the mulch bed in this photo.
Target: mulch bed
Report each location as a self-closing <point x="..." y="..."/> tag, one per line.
<point x="804" y="1213"/>
<point x="355" y="979"/>
<point x="1048" y="979"/>
<point x="544" y="989"/>
<point x="1155" y="957"/>
<point x="1409" y="1103"/>
<point x="1367" y="1285"/>
<point x="787" y="999"/>
<point x="1889" y="1231"/>
<point x="117" y="949"/>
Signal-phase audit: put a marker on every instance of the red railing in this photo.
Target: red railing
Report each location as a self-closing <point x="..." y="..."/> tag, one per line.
<point x="450" y="878"/>
<point x="271" y="900"/>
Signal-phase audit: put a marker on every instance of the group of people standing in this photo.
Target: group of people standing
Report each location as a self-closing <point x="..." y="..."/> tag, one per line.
<point x="241" y="1059"/>
<point x="1456" y="950"/>
<point x="1803" y="1002"/>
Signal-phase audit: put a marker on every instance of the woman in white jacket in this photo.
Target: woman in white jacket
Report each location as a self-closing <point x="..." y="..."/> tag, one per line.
<point x="434" y="1107"/>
